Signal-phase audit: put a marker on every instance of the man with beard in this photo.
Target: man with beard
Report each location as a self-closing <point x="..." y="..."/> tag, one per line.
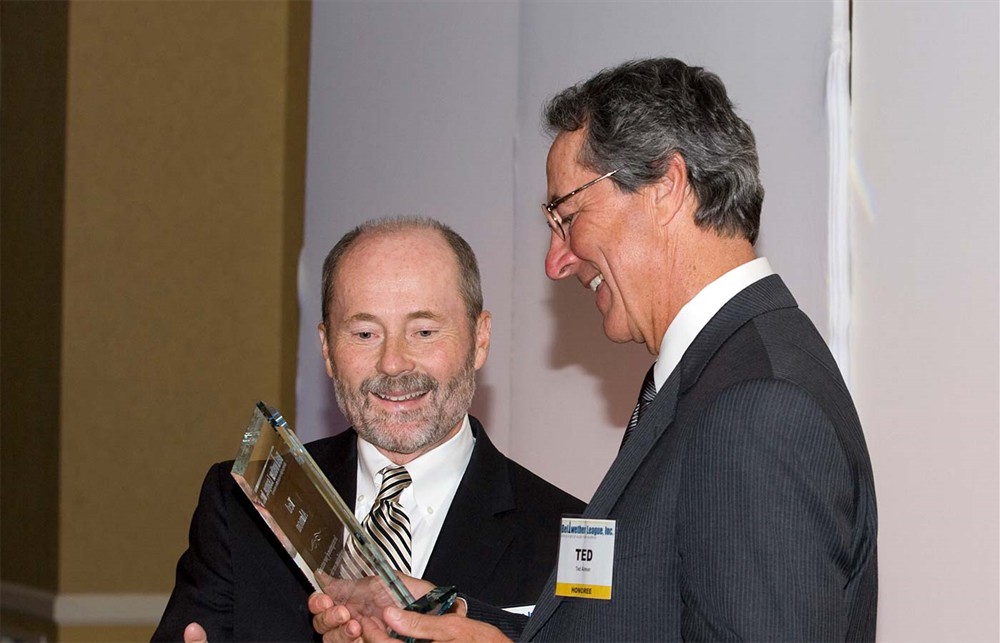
<point x="403" y="334"/>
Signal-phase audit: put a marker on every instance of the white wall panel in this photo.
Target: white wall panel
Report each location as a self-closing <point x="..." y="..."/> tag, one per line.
<point x="926" y="80"/>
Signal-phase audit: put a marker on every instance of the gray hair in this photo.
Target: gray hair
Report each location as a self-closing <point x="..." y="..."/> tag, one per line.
<point x="641" y="113"/>
<point x="468" y="268"/>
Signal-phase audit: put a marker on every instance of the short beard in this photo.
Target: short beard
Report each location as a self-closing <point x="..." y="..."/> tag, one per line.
<point x="411" y="431"/>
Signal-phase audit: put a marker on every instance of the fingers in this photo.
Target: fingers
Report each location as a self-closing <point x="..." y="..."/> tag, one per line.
<point x="195" y="633"/>
<point x="416" y="586"/>
<point x="332" y="621"/>
<point x="375" y="631"/>
<point x="350" y="632"/>
<point x="319" y="603"/>
<point x="450" y="627"/>
<point x="416" y="625"/>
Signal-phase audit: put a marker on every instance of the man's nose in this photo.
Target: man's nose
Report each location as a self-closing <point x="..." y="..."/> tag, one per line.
<point x="560" y="262"/>
<point x="395" y="358"/>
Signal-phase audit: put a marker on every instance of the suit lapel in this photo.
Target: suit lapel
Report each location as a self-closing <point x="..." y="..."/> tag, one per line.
<point x="762" y="296"/>
<point x="654" y="422"/>
<point x="471" y="526"/>
<point x="338" y="460"/>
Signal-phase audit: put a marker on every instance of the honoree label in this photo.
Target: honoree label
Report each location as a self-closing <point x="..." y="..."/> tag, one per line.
<point x="586" y="558"/>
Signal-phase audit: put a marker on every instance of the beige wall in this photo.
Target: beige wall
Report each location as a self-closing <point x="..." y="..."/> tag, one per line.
<point x="167" y="288"/>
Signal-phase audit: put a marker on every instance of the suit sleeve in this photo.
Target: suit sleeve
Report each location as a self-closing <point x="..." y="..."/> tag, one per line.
<point x="510" y="624"/>
<point x="764" y="519"/>
<point x="203" y="591"/>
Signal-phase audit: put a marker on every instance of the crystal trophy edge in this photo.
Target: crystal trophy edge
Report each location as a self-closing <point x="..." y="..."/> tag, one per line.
<point x="436" y="601"/>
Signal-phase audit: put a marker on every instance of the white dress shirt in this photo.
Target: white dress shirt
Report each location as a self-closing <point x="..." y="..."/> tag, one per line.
<point x="435" y="475"/>
<point x="696" y="314"/>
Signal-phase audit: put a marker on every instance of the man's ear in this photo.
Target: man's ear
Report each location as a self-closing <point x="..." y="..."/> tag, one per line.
<point x="671" y="191"/>
<point x="482" y="338"/>
<point x="326" y="349"/>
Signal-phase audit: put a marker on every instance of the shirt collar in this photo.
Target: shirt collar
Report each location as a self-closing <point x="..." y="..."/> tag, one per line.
<point x="696" y="314"/>
<point x="433" y="473"/>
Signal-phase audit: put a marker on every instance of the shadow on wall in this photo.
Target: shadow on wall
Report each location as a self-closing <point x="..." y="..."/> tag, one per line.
<point x="580" y="341"/>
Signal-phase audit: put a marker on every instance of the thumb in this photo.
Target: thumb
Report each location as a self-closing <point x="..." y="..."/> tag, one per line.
<point x="195" y="633"/>
<point x="409" y="624"/>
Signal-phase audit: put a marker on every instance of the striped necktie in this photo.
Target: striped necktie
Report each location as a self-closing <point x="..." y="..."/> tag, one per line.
<point x="645" y="397"/>
<point x="387" y="523"/>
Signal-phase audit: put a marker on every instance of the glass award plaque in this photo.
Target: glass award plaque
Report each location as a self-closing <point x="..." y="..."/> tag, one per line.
<point x="315" y="525"/>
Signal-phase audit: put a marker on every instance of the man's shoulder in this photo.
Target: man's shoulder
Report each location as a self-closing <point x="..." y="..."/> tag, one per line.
<point x="528" y="488"/>
<point x="763" y="335"/>
<point x="340" y="445"/>
<point x="529" y="485"/>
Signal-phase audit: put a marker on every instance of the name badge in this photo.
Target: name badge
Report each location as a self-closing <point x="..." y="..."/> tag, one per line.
<point x="586" y="558"/>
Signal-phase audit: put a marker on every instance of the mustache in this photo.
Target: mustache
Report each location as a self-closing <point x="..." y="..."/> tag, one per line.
<point x="399" y="384"/>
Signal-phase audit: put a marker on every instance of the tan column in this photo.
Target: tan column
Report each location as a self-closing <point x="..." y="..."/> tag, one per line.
<point x="153" y="189"/>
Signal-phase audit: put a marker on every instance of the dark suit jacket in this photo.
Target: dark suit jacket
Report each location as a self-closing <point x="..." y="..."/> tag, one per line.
<point x="744" y="499"/>
<point x="499" y="540"/>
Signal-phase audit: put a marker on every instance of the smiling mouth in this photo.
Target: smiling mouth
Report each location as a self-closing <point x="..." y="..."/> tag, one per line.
<point x="406" y="397"/>
<point x="596" y="282"/>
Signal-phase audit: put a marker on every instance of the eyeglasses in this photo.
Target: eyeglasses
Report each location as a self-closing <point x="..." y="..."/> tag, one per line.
<point x="556" y="221"/>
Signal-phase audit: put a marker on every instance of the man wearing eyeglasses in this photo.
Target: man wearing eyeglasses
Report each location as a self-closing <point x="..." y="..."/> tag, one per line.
<point x="742" y="499"/>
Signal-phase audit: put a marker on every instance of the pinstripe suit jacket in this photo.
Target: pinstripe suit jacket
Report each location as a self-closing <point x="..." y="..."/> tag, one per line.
<point x="744" y="501"/>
